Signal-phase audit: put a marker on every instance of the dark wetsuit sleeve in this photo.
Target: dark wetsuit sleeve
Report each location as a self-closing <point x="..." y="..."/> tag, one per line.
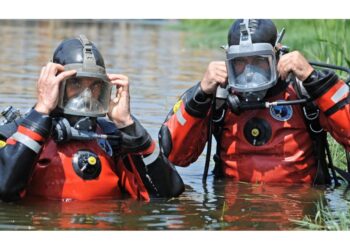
<point x="144" y="170"/>
<point x="184" y="132"/>
<point x="135" y="138"/>
<point x="19" y="155"/>
<point x="331" y="95"/>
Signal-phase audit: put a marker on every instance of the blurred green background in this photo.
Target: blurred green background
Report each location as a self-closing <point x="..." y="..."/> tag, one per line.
<point x="320" y="40"/>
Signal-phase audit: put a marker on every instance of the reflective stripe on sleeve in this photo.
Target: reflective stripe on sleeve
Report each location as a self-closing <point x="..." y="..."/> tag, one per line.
<point x="180" y="118"/>
<point x="152" y="157"/>
<point x="340" y="93"/>
<point x="26" y="140"/>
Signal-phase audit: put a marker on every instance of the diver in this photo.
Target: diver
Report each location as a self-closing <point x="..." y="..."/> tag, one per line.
<point x="260" y="140"/>
<point x="66" y="148"/>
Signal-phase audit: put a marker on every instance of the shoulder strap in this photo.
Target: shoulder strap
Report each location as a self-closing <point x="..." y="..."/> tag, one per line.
<point x="310" y="110"/>
<point x="218" y="123"/>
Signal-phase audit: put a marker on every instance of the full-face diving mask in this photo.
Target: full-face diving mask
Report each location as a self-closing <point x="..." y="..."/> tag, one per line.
<point x="251" y="66"/>
<point x="88" y="92"/>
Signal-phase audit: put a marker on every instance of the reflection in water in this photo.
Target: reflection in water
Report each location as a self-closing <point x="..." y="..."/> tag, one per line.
<point x="230" y="206"/>
<point x="160" y="69"/>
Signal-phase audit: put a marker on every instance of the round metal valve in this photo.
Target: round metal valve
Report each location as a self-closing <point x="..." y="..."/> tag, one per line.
<point x="86" y="164"/>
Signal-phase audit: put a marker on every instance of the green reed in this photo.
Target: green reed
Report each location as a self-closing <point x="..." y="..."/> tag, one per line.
<point x="325" y="219"/>
<point x="321" y="40"/>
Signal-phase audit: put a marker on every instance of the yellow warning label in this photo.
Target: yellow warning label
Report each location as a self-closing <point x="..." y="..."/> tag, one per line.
<point x="177" y="105"/>
<point x="2" y="144"/>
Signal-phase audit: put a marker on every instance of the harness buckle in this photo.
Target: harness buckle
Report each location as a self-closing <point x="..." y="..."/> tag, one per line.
<point x="220" y="118"/>
<point x="315" y="131"/>
<point x="311" y="116"/>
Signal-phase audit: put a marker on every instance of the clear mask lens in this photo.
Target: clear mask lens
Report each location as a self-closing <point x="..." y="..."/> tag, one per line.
<point x="85" y="96"/>
<point x="253" y="76"/>
<point x="251" y="73"/>
<point x="84" y="102"/>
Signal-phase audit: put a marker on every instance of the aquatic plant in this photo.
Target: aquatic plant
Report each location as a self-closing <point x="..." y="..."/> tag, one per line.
<point x="325" y="219"/>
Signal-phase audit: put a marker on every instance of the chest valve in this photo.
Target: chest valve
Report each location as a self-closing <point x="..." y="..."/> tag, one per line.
<point x="257" y="131"/>
<point x="86" y="164"/>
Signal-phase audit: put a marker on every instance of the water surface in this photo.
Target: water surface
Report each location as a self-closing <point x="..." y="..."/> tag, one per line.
<point x="161" y="67"/>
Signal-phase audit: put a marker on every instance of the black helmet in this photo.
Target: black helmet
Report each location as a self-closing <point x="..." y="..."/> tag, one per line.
<point x="261" y="30"/>
<point x="251" y="58"/>
<point x="72" y="51"/>
<point x="88" y="92"/>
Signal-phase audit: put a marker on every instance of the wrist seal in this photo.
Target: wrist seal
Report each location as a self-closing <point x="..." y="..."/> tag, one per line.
<point x="198" y="102"/>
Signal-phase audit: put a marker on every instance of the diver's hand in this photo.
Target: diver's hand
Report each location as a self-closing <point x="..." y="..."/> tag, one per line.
<point x="215" y="75"/>
<point x="119" y="106"/>
<point x="48" y="86"/>
<point x="295" y="63"/>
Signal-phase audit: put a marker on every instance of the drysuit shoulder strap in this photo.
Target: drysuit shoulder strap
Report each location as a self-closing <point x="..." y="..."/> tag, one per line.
<point x="300" y="89"/>
<point x="218" y="117"/>
<point x="309" y="109"/>
<point x="318" y="136"/>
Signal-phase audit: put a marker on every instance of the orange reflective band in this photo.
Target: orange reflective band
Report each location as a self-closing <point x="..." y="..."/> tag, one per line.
<point x="335" y="93"/>
<point x="149" y="150"/>
<point x="11" y="141"/>
<point x="34" y="135"/>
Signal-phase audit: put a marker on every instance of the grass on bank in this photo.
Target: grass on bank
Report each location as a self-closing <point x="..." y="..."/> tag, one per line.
<point x="325" y="219"/>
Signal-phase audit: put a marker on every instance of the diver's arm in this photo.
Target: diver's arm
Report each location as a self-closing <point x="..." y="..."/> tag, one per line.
<point x="152" y="177"/>
<point x="184" y="133"/>
<point x="135" y="138"/>
<point x="143" y="170"/>
<point x="332" y="97"/>
<point x="19" y="155"/>
<point x="153" y="174"/>
<point x="330" y="93"/>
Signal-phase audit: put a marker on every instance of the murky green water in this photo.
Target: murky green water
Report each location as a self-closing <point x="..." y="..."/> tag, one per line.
<point x="160" y="68"/>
